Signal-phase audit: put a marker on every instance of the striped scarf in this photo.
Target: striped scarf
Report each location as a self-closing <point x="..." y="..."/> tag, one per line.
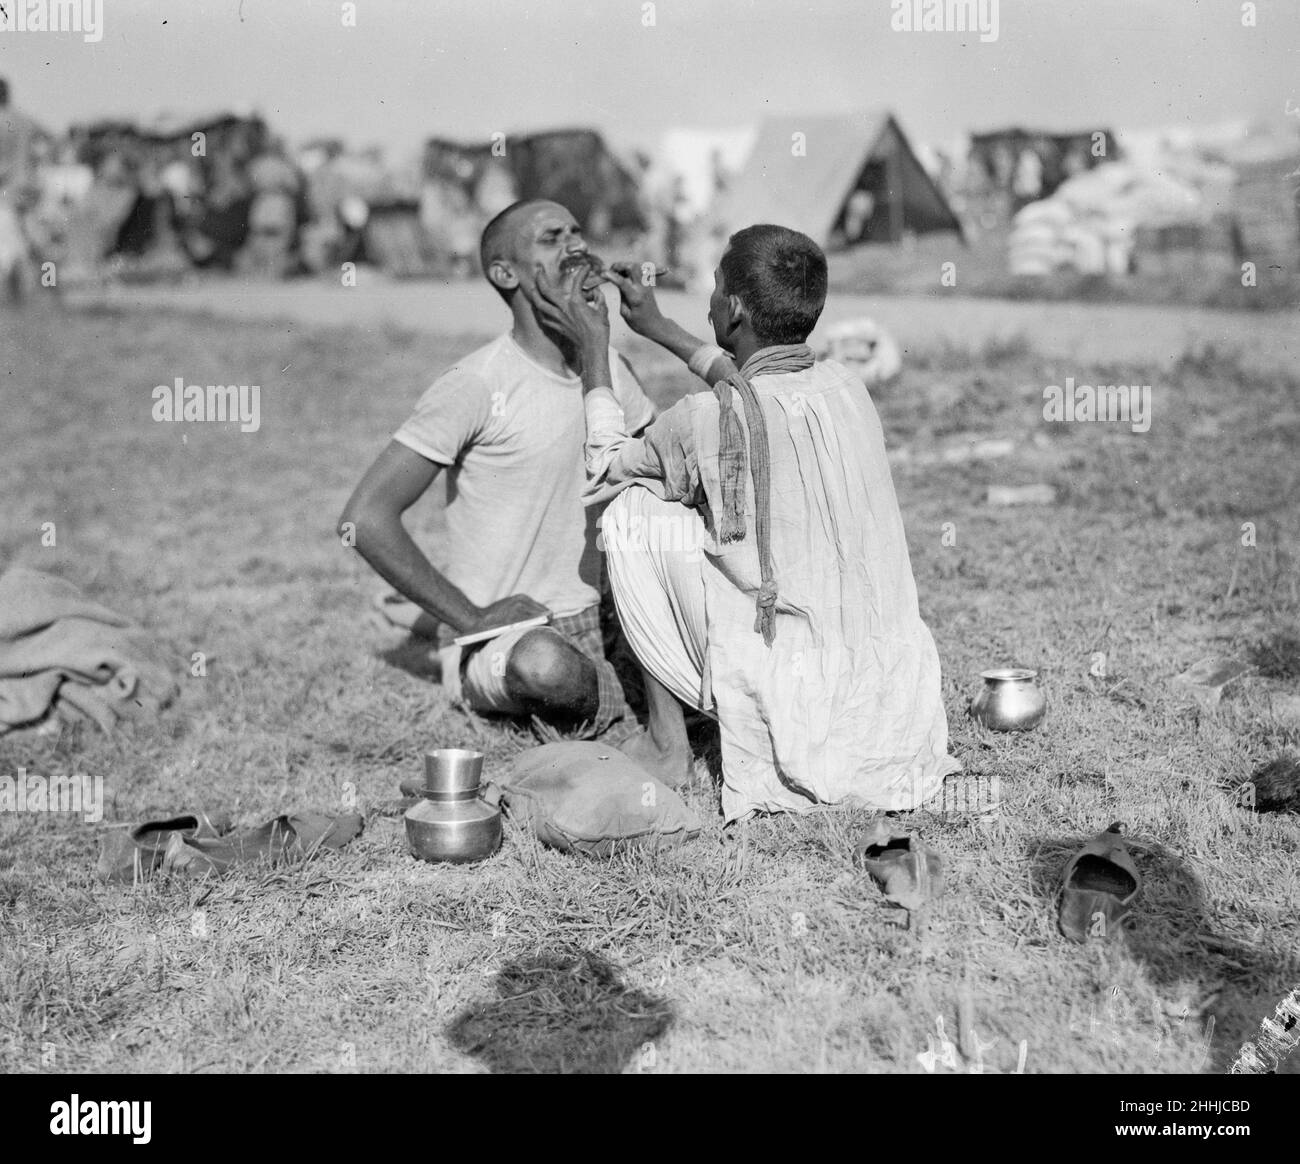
<point x="732" y="467"/>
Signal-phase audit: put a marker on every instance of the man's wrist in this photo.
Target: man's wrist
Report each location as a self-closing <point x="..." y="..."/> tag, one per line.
<point x="701" y="359"/>
<point x="595" y="365"/>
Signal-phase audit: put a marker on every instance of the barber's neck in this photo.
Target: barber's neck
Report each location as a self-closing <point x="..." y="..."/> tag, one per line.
<point x="551" y="351"/>
<point x="744" y="343"/>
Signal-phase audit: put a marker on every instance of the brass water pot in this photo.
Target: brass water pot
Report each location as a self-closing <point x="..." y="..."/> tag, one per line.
<point x="1010" y="701"/>
<point x="452" y="822"/>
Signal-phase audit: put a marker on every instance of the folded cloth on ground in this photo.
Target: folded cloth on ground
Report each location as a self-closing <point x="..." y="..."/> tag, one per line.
<point x="196" y="849"/>
<point x="62" y="653"/>
<point x="591" y="798"/>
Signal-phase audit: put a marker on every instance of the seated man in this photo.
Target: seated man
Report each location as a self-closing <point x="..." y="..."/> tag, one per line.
<point x="798" y="627"/>
<point x="506" y="423"/>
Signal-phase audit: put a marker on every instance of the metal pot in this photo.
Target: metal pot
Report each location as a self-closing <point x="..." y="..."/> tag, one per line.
<point x="452" y="822"/>
<point x="1011" y="700"/>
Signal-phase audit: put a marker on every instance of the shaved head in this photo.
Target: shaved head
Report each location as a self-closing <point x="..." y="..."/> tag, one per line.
<point x="498" y="239"/>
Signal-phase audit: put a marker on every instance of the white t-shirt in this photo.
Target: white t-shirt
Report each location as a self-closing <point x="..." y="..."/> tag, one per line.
<point x="511" y="435"/>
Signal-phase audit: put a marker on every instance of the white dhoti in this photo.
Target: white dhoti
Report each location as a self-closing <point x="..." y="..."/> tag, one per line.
<point x="653" y="552"/>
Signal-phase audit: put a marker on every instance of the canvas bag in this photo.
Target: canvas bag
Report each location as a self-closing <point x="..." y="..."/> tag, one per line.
<point x="590" y="798"/>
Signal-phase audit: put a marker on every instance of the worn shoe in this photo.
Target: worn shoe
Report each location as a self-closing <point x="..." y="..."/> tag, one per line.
<point x="133" y="854"/>
<point x="1098" y="886"/>
<point x="298" y="835"/>
<point x="909" y="873"/>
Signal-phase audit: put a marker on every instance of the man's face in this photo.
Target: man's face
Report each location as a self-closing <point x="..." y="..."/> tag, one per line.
<point x="546" y="236"/>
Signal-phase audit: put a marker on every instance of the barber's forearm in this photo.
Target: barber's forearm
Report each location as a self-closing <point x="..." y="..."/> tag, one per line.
<point x="391" y="552"/>
<point x="671" y="335"/>
<point x="667" y="333"/>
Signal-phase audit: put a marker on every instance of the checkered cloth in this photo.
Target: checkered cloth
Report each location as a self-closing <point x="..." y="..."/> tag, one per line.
<point x="614" y="721"/>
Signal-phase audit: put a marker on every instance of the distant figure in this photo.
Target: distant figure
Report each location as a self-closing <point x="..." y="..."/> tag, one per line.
<point x="857" y="215"/>
<point x="278" y="209"/>
<point x="495" y="189"/>
<point x="1027" y="185"/>
<point x="19" y="136"/>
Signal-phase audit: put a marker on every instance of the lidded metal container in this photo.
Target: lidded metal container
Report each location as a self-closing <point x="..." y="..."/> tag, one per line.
<point x="452" y="822"/>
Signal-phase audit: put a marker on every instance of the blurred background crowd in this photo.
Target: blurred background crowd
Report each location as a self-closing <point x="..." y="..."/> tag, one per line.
<point x="223" y="191"/>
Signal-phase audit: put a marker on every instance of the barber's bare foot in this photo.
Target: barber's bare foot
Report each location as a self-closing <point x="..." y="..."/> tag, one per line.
<point x="672" y="765"/>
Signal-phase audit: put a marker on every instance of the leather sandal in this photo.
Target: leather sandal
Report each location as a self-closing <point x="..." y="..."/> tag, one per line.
<point x="1098" y="886"/>
<point x="298" y="835"/>
<point x="133" y="854"/>
<point x="908" y="872"/>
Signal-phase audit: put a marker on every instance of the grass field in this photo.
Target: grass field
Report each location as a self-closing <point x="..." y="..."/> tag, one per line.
<point x="753" y="948"/>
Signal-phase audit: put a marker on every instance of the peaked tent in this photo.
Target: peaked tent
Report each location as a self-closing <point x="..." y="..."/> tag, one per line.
<point x="807" y="182"/>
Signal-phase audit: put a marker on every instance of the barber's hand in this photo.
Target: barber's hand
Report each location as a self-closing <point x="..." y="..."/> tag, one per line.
<point x="639" y="306"/>
<point x="565" y="308"/>
<point x="516" y="608"/>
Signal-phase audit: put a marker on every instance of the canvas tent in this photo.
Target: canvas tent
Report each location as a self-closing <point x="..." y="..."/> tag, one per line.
<point x="840" y="180"/>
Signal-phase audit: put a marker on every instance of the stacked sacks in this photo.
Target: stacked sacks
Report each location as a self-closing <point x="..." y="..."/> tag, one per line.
<point x="1038" y="239"/>
<point x="1089" y="225"/>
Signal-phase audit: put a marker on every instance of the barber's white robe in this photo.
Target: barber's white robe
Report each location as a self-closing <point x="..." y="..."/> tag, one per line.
<point x="845" y="706"/>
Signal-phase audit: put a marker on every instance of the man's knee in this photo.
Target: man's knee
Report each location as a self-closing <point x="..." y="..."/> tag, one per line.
<point x="544" y="667"/>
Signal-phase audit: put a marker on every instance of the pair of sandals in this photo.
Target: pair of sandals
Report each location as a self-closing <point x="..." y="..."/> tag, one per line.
<point x="1098" y="885"/>
<point x="198" y="844"/>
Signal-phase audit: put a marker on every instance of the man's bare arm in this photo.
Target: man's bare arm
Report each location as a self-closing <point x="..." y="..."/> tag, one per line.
<point x="398" y="478"/>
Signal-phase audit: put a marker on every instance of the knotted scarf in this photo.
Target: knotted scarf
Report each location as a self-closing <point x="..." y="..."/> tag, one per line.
<point x="732" y="468"/>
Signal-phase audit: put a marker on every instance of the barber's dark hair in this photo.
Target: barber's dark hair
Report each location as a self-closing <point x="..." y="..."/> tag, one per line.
<point x="780" y="277"/>
<point x="4" y="91"/>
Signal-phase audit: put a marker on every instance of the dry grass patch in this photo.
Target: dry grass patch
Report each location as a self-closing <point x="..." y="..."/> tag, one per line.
<point x="753" y="948"/>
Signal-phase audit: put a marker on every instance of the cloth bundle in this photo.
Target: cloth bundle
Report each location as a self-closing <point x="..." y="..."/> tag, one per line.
<point x="64" y="654"/>
<point x="585" y="797"/>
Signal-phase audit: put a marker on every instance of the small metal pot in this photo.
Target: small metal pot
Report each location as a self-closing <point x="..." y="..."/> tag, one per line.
<point x="451" y="822"/>
<point x="1011" y="700"/>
